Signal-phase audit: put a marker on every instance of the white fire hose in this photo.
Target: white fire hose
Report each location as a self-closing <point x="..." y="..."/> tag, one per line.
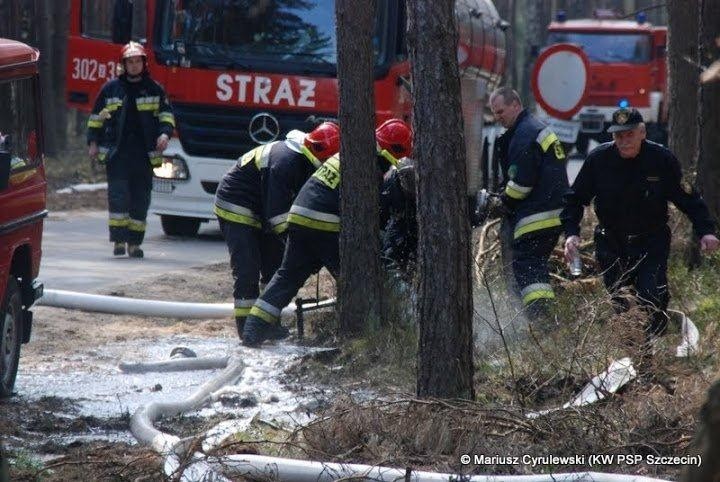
<point x="129" y="306"/>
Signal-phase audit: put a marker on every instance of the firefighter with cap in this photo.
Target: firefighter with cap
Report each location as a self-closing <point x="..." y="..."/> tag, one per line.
<point x="313" y="233"/>
<point x="630" y="181"/>
<point x="533" y="166"/>
<point x="129" y="128"/>
<point x="252" y="203"/>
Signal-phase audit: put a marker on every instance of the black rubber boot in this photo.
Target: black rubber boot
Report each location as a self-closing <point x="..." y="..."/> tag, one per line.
<point x="256" y="331"/>
<point x="134" y="251"/>
<point x="240" y="324"/>
<point x="119" y="249"/>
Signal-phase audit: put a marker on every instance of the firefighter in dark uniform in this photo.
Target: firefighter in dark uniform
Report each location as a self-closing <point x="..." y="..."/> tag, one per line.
<point x="128" y="130"/>
<point x="398" y="218"/>
<point x="631" y="181"/>
<point x="252" y="204"/>
<point x="533" y="164"/>
<point x="314" y="226"/>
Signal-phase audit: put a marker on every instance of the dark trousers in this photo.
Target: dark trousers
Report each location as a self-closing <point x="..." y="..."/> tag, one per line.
<point x="639" y="262"/>
<point x="254" y="257"/>
<point x="306" y="251"/>
<point x="129" y="189"/>
<point x="530" y="264"/>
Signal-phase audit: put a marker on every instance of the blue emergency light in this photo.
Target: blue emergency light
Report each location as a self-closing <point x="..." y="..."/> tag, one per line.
<point x="641" y="17"/>
<point x="561" y="16"/>
<point x="624" y="104"/>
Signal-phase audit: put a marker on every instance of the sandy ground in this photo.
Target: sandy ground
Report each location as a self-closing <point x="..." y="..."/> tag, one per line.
<point x="35" y="427"/>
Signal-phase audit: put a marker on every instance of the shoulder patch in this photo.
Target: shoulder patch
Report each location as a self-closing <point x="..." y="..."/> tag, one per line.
<point x="512" y="171"/>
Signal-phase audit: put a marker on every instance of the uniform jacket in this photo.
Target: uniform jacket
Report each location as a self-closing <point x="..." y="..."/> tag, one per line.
<point x="317" y="206"/>
<point x="260" y="188"/>
<point x="533" y="163"/>
<point x="106" y="122"/>
<point x="631" y="195"/>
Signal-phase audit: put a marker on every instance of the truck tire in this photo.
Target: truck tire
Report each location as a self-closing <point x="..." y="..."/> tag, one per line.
<point x="11" y="330"/>
<point x="179" y="225"/>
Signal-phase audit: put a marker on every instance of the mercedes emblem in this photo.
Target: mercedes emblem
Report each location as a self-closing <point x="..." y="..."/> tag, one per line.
<point x="263" y="128"/>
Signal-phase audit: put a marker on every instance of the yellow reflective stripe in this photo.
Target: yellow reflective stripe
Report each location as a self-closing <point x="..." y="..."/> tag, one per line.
<point x="280" y="228"/>
<point x="156" y="158"/>
<point x="95" y="121"/>
<point x="147" y="107"/>
<point x="243" y="306"/>
<point x="310" y="156"/>
<point x="517" y="191"/>
<point x="167" y="117"/>
<point x="112" y="107"/>
<point x="265" y="311"/>
<point x="537" y="291"/>
<point x="239" y="312"/>
<point x="313" y="223"/>
<point x="536" y="222"/>
<point x="262" y="155"/>
<point x="236" y="218"/>
<point x="537" y="295"/>
<point x="329" y="173"/>
<point x="118" y="223"/>
<point x="135" y="225"/>
<point x="546" y="138"/>
<point x="255" y="311"/>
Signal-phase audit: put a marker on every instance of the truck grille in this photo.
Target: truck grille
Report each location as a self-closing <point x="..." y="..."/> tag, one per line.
<point x="592" y="123"/>
<point x="222" y="132"/>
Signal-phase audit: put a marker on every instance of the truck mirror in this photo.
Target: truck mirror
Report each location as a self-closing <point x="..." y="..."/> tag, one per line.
<point x="4" y="169"/>
<point x="122" y="21"/>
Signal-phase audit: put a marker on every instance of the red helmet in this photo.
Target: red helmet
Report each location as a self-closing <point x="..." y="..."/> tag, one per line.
<point x="132" y="49"/>
<point x="395" y="137"/>
<point x="324" y="140"/>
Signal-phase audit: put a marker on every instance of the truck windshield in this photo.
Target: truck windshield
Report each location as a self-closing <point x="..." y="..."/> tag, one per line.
<point x="240" y="33"/>
<point x="608" y="47"/>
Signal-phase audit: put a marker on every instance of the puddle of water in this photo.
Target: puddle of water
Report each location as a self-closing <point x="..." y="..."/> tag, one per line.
<point x="99" y="389"/>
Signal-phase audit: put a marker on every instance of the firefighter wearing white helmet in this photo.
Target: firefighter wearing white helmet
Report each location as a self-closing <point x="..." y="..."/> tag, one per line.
<point x="252" y="204"/>
<point x="129" y="128"/>
<point x="313" y="233"/>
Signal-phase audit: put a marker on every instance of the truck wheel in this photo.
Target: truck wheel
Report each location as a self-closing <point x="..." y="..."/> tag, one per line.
<point x="10" y="337"/>
<point x="179" y="225"/>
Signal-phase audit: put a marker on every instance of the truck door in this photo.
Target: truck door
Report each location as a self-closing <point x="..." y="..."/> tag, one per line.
<point x="98" y="30"/>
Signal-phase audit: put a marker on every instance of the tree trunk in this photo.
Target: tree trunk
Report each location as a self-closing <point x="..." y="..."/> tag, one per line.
<point x="708" y="166"/>
<point x="444" y="301"/>
<point x="682" y="90"/>
<point x="44" y="43"/>
<point x="61" y="14"/>
<point x="359" y="286"/>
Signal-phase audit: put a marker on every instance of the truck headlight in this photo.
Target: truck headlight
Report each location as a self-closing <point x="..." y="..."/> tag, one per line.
<point x="173" y="167"/>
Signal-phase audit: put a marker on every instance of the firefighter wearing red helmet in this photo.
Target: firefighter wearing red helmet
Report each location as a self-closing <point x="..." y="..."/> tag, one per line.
<point x="128" y="129"/>
<point x="252" y="204"/>
<point x="313" y="230"/>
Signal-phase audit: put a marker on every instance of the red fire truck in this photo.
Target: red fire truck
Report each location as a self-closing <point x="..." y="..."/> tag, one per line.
<point x="241" y="74"/>
<point x="22" y="197"/>
<point x="626" y="60"/>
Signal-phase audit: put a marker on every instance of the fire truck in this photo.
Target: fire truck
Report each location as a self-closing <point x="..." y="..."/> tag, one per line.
<point x="22" y="197"/>
<point x="240" y="74"/>
<point x="625" y="68"/>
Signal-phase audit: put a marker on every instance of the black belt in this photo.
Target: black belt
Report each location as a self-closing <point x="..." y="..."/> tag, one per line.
<point x="629" y="237"/>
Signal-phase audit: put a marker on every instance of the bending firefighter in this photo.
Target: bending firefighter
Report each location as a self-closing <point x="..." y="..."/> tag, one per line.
<point x="533" y="164"/>
<point x="313" y="229"/>
<point x="128" y="129"/>
<point x="252" y="204"/>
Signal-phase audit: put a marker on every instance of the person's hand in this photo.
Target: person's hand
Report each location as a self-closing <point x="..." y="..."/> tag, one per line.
<point x="162" y="142"/>
<point x="93" y="151"/>
<point x="572" y="245"/>
<point x="709" y="243"/>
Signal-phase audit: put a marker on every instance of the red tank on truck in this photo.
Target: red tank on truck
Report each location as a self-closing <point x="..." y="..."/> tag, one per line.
<point x="624" y="66"/>
<point x="238" y="77"/>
